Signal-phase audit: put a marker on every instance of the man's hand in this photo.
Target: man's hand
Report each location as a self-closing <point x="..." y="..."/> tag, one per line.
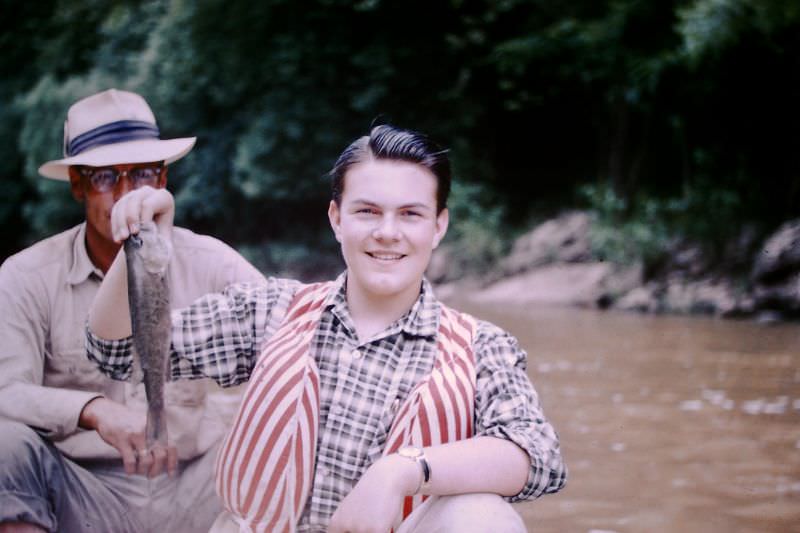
<point x="123" y="428"/>
<point x="142" y="205"/>
<point x="377" y="499"/>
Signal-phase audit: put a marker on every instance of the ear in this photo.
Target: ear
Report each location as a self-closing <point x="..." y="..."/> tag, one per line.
<point x="162" y="178"/>
<point x="75" y="184"/>
<point x="335" y="217"/>
<point x="442" y="220"/>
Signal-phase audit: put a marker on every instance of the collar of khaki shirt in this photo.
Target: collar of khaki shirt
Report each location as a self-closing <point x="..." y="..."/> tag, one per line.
<point x="81" y="267"/>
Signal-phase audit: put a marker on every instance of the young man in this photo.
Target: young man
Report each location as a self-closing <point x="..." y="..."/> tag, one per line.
<point x="369" y="402"/>
<point x="72" y="452"/>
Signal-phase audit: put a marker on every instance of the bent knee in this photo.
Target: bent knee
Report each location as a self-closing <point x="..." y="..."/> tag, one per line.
<point x="17" y="436"/>
<point x="477" y="513"/>
<point x="20" y="447"/>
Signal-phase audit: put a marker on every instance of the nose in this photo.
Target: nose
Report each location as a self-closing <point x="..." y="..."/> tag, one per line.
<point x="387" y="229"/>
<point x="122" y="186"/>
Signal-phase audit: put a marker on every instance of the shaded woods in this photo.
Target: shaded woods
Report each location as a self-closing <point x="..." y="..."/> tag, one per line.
<point x="668" y="120"/>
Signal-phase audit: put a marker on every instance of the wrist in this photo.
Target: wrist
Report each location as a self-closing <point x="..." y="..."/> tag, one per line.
<point x="404" y="474"/>
<point x="416" y="456"/>
<point x="88" y="417"/>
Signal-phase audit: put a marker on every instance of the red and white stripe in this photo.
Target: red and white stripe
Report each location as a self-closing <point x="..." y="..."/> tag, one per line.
<point x="265" y="466"/>
<point x="441" y="408"/>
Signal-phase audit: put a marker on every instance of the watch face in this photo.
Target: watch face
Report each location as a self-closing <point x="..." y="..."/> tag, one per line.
<point x="409" y="451"/>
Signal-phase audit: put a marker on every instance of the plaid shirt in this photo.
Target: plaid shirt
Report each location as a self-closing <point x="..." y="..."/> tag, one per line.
<point x="361" y="383"/>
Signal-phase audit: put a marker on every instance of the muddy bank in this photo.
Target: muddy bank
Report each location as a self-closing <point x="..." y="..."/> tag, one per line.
<point x="554" y="264"/>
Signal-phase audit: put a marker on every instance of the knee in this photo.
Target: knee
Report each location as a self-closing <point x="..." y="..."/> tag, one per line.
<point x="17" y="438"/>
<point x="21" y="449"/>
<point x="478" y="513"/>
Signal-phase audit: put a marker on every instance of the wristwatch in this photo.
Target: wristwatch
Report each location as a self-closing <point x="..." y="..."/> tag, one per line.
<point x="418" y="456"/>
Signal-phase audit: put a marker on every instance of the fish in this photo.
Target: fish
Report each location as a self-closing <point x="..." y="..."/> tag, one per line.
<point x="147" y="255"/>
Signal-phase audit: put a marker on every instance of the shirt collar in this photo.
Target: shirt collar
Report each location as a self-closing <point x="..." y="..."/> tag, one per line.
<point x="421" y="320"/>
<point x="81" y="267"/>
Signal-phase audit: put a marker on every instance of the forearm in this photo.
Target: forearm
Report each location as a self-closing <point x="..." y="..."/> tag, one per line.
<point x="216" y="337"/>
<point x="54" y="412"/>
<point x="109" y="316"/>
<point x="508" y="408"/>
<point x="480" y="464"/>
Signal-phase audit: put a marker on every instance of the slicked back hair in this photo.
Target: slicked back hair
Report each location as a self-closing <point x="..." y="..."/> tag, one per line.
<point x="395" y="144"/>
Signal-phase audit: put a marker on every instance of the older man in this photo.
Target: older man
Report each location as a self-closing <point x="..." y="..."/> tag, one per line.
<point x="72" y="452"/>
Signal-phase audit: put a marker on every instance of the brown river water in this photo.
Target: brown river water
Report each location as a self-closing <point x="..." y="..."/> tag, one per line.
<point x="673" y="424"/>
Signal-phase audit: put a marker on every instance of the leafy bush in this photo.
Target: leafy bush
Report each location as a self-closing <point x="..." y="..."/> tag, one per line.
<point x="476" y="234"/>
<point x="648" y="228"/>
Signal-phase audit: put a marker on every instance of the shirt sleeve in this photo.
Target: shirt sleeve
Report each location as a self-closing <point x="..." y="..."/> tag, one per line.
<point x="235" y="269"/>
<point x="218" y="336"/>
<point x="507" y="407"/>
<point x="52" y="411"/>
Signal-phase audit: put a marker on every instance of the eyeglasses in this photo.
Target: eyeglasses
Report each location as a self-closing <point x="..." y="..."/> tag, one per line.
<point x="104" y="179"/>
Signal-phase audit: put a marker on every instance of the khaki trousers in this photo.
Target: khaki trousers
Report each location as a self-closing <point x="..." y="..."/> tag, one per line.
<point x="38" y="485"/>
<point x="464" y="513"/>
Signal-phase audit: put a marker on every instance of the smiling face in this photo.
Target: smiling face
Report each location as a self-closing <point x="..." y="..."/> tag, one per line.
<point x="388" y="227"/>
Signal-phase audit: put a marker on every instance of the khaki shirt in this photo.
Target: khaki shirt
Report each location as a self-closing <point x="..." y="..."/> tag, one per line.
<point x="46" y="378"/>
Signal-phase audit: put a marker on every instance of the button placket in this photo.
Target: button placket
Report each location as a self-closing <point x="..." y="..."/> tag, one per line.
<point x="342" y="370"/>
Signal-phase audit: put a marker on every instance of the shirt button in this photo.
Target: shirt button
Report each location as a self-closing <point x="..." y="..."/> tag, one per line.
<point x="357" y="354"/>
<point x="337" y="409"/>
<point x="324" y="472"/>
<point x="395" y="406"/>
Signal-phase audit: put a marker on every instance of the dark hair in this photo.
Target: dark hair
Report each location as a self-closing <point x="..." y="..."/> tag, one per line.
<point x="392" y="143"/>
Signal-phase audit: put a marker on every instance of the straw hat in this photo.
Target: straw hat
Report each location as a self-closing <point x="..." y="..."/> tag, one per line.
<point x="110" y="128"/>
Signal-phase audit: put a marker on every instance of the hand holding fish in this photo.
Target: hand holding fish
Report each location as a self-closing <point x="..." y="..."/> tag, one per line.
<point x="124" y="429"/>
<point x="139" y="206"/>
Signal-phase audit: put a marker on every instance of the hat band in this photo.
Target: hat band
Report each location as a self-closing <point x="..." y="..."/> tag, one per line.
<point x="112" y="133"/>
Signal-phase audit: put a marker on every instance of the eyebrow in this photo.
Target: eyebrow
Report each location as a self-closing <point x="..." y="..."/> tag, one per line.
<point x="415" y="205"/>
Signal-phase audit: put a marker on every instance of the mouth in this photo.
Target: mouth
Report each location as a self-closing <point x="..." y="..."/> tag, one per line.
<point x="387" y="257"/>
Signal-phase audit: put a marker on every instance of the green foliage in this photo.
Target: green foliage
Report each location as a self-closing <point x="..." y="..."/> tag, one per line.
<point x="677" y="99"/>
<point x="296" y="260"/>
<point x="648" y="229"/>
<point x="708" y="27"/>
<point x="476" y="229"/>
<point x="617" y="237"/>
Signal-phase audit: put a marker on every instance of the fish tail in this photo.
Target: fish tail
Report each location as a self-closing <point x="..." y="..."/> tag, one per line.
<point x="156" y="428"/>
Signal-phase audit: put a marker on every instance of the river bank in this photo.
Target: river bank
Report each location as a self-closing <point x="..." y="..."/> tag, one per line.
<point x="554" y="263"/>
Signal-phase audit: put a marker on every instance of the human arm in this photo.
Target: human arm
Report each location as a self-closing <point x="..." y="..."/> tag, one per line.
<point x="109" y="315"/>
<point x="508" y="407"/>
<point x="35" y="334"/>
<point x="46" y="382"/>
<point x="218" y="336"/>
<point x="514" y="453"/>
<point x="480" y="464"/>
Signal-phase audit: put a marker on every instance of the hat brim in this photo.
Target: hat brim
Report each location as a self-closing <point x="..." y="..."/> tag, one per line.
<point x="142" y="151"/>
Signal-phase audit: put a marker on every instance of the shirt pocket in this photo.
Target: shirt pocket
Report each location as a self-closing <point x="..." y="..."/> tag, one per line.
<point x="72" y="369"/>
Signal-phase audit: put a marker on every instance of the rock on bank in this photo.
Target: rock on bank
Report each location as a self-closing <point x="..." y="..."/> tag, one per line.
<point x="553" y="263"/>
